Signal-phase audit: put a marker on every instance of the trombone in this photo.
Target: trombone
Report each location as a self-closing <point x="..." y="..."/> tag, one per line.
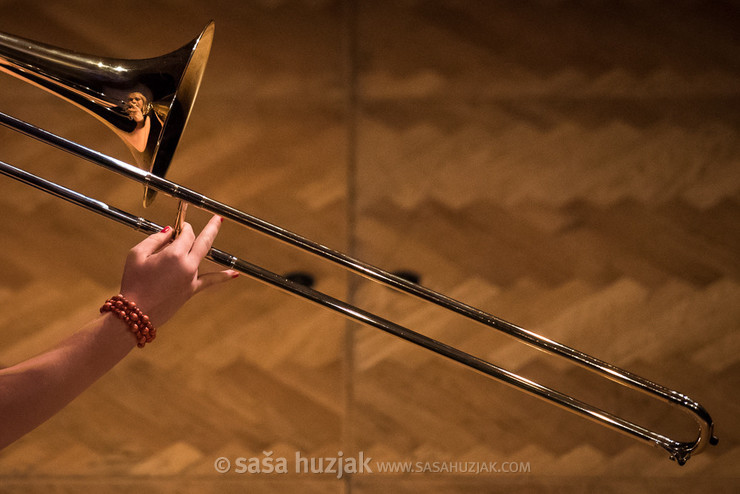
<point x="147" y="104"/>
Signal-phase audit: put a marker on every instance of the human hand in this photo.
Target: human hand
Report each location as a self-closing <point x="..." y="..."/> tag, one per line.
<point x="161" y="274"/>
<point x="135" y="113"/>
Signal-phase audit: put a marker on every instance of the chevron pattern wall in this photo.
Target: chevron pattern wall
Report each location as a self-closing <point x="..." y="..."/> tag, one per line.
<point x="572" y="167"/>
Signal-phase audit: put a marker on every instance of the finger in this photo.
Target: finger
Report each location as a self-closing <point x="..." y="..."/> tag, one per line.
<point x="209" y="279"/>
<point x="184" y="241"/>
<point x="153" y="242"/>
<point x="205" y="239"/>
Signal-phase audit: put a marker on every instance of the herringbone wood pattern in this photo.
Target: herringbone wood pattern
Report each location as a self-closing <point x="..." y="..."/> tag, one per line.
<point x="572" y="167"/>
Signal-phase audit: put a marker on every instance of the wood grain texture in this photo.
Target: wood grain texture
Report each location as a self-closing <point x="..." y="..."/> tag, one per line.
<point x="572" y="167"/>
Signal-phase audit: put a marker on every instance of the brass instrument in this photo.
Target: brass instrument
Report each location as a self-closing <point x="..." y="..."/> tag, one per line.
<point x="162" y="90"/>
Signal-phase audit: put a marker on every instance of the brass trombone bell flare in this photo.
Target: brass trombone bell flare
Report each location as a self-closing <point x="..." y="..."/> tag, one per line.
<point x="146" y="102"/>
<point x="112" y="91"/>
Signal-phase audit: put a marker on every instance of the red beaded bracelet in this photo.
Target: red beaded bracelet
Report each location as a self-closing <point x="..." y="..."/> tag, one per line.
<point x="137" y="321"/>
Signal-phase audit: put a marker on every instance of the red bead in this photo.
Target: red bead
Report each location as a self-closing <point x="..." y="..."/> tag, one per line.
<point x="137" y="321"/>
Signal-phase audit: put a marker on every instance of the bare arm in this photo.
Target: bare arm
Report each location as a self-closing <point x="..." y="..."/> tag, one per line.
<point x="160" y="276"/>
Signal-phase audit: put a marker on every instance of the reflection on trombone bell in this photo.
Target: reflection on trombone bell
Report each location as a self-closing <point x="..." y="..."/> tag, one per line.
<point x="148" y="125"/>
<point x="137" y="108"/>
<point x="178" y="89"/>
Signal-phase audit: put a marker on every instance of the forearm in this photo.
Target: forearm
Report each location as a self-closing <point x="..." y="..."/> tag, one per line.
<point x="160" y="275"/>
<point x="34" y="390"/>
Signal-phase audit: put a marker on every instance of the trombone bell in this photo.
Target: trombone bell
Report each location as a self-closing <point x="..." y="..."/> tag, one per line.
<point x="145" y="102"/>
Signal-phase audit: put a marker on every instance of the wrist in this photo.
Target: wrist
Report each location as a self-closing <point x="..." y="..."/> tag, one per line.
<point x="127" y="311"/>
<point x="118" y="332"/>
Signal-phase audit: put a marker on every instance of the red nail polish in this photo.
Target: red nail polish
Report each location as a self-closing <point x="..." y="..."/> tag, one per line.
<point x="165" y="229"/>
<point x="235" y="275"/>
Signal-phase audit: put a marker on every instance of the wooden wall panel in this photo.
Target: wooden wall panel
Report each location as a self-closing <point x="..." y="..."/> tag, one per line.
<point x="571" y="167"/>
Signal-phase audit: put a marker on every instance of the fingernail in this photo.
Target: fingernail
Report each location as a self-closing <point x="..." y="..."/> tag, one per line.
<point x="235" y="275"/>
<point x="222" y="219"/>
<point x="165" y="229"/>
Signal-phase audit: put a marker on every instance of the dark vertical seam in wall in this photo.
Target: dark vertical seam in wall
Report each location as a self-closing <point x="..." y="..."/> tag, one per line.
<point x="350" y="21"/>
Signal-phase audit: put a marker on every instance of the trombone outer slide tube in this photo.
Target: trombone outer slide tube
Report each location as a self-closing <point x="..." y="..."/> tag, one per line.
<point x="680" y="451"/>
